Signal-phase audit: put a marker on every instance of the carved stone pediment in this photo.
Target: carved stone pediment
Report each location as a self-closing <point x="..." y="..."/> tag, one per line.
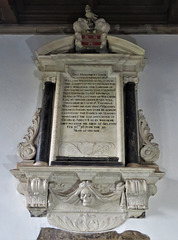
<point x="115" y="45"/>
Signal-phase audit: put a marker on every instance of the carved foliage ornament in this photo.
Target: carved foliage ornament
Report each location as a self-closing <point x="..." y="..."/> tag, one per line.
<point x="86" y="222"/>
<point x="149" y="151"/>
<point x="27" y="149"/>
<point x="90" y="210"/>
<point x="86" y="149"/>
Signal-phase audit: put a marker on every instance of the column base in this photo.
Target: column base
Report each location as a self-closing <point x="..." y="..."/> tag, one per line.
<point x="40" y="164"/>
<point x="133" y="165"/>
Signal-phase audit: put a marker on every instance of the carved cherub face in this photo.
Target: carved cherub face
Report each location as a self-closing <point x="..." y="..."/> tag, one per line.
<point x="87" y="197"/>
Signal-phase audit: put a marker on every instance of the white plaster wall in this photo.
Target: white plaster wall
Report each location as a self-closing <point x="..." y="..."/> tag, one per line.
<point x="20" y="96"/>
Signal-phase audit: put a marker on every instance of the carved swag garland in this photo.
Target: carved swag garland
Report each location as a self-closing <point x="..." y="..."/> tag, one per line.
<point x="87" y="195"/>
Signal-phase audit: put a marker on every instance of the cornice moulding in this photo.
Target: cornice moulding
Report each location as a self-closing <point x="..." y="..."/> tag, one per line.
<point x="58" y="29"/>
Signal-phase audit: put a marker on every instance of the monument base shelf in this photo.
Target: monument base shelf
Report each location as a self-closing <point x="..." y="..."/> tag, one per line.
<point x="87" y="199"/>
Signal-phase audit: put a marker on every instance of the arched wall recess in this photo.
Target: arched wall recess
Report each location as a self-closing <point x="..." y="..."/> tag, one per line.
<point x="94" y="165"/>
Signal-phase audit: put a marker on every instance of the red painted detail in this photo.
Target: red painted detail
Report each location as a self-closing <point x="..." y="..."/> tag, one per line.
<point x="91" y="43"/>
<point x="87" y="36"/>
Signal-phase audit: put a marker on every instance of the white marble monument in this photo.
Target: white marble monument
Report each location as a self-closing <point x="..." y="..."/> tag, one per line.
<point x="94" y="164"/>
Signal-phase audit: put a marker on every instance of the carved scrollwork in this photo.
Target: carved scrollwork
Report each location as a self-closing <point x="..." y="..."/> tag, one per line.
<point x="149" y="151"/>
<point x="37" y="190"/>
<point x="136" y="193"/>
<point x="27" y="150"/>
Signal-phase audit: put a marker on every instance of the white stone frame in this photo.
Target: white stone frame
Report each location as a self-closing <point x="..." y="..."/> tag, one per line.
<point x="83" y="67"/>
<point x="125" y="63"/>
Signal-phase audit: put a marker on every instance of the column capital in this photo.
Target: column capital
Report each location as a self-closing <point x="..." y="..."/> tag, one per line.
<point x="48" y="77"/>
<point x="128" y="79"/>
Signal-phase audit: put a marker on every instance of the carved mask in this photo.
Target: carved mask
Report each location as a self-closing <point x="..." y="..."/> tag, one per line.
<point x="87" y="197"/>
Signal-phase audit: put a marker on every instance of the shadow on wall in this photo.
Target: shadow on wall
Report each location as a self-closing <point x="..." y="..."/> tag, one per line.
<point x="11" y="162"/>
<point x="165" y="202"/>
<point x="40" y="93"/>
<point x="35" y="42"/>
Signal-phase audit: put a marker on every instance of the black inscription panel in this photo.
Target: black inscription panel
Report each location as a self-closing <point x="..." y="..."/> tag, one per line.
<point x="89" y="102"/>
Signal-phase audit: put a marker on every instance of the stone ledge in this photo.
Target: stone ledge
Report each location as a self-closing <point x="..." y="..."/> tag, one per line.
<point x="87" y="199"/>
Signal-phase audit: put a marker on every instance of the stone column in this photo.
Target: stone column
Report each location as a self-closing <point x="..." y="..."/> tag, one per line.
<point x="131" y="132"/>
<point x="44" y="138"/>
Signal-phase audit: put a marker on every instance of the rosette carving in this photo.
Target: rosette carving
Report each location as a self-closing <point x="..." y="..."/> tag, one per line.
<point x="27" y="150"/>
<point x="149" y="151"/>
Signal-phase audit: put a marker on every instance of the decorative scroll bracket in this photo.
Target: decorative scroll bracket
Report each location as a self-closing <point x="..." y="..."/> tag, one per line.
<point x="149" y="151"/>
<point x="27" y="150"/>
<point x="136" y="192"/>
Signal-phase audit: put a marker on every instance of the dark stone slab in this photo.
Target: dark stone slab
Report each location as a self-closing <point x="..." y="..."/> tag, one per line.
<point x="56" y="234"/>
<point x="87" y="161"/>
<point x="44" y="137"/>
<point x="131" y="141"/>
